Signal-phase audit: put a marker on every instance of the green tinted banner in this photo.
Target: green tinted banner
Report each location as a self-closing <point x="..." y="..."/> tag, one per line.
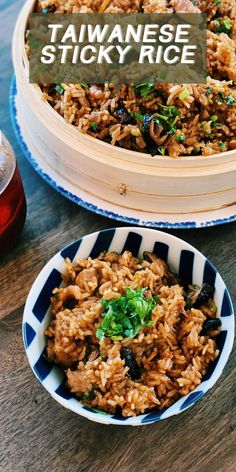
<point x="115" y="48"/>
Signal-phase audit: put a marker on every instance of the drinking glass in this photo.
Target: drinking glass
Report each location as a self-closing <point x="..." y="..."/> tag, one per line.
<point x="12" y="197"/>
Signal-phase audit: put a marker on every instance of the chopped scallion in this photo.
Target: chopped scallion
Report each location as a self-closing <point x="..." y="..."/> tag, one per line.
<point x="184" y="94"/>
<point x="59" y="89"/>
<point x="84" y="85"/>
<point x="162" y="150"/>
<point x="94" y="125"/>
<point x="180" y="138"/>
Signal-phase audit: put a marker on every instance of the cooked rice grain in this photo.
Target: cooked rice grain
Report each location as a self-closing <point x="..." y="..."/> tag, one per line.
<point x="172" y="354"/>
<point x="94" y="110"/>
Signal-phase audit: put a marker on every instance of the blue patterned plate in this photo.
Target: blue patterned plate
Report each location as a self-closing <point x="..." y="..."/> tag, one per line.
<point x="183" y="259"/>
<point x="101" y="207"/>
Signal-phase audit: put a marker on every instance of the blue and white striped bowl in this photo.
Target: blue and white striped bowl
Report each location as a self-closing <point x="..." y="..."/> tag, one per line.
<point x="183" y="259"/>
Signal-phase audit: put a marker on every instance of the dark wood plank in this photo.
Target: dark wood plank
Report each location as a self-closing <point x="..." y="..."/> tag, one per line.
<point x="52" y="222"/>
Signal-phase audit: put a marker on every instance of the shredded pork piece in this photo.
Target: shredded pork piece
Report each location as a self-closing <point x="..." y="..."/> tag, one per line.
<point x="184" y="6"/>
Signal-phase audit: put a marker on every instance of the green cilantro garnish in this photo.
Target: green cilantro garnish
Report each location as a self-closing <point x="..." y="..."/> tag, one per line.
<point x="84" y="85"/>
<point x="169" y="112"/>
<point x="144" y="89"/>
<point x="184" y="94"/>
<point x="172" y="130"/>
<point x="223" y="25"/>
<point x="180" y="138"/>
<point x="123" y="317"/>
<point x="162" y="150"/>
<point x="138" y="116"/>
<point x="227" y="25"/>
<point x="222" y="145"/>
<point x="167" y="118"/>
<point x="59" y="89"/>
<point x="94" y="125"/>
<point x="217" y="2"/>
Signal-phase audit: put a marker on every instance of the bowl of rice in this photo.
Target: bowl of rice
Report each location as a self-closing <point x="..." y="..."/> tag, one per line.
<point x="128" y="326"/>
<point x="157" y="149"/>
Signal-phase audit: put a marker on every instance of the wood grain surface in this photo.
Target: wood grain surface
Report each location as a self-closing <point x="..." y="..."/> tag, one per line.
<point x="36" y="433"/>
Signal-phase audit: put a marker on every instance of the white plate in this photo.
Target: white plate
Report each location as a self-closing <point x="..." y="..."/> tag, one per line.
<point x="96" y="205"/>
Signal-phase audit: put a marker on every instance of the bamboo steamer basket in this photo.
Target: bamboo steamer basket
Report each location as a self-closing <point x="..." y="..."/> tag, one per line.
<point x="129" y="179"/>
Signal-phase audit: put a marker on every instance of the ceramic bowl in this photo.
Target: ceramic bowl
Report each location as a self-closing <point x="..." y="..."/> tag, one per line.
<point x="183" y="259"/>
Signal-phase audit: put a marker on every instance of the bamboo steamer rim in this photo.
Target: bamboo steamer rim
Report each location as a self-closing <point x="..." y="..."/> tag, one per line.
<point x="21" y="66"/>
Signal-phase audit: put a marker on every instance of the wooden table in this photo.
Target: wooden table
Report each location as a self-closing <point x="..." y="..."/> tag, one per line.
<point x="39" y="435"/>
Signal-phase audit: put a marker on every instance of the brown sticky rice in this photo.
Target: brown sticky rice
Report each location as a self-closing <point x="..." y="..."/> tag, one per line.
<point x="172" y="354"/>
<point x="206" y="122"/>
